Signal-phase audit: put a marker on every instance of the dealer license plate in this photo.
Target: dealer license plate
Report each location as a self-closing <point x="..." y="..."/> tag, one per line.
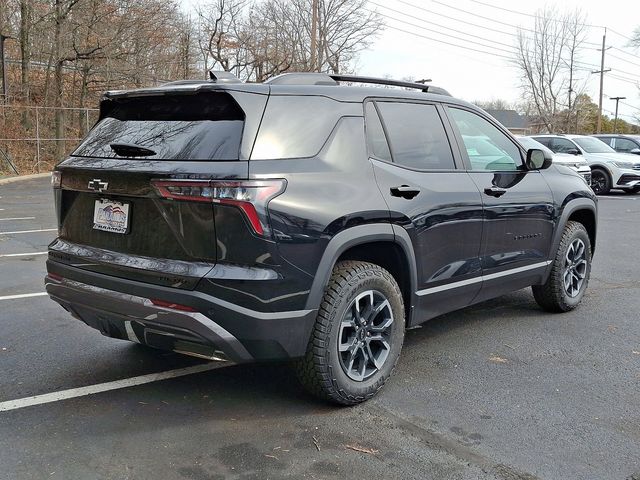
<point x="111" y="216"/>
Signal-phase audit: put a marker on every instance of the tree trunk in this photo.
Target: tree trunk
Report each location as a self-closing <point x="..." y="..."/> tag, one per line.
<point x="58" y="81"/>
<point x="25" y="57"/>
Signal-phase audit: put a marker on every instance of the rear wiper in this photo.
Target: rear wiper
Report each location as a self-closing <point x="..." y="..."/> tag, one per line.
<point x="131" y="150"/>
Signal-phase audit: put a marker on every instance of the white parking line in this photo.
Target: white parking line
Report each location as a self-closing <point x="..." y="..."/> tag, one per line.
<point x="105" y="387"/>
<point x="30" y="231"/>
<point x="618" y="198"/>
<point x="22" y="254"/>
<point x="23" y="295"/>
<point x="18" y="218"/>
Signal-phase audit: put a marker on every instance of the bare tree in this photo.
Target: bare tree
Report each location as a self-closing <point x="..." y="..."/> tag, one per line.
<point x="262" y="39"/>
<point x="547" y="61"/>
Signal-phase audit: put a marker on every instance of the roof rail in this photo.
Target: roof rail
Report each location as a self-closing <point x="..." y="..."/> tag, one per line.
<point x="329" y="79"/>
<point x="302" y="78"/>
<point x="380" y="81"/>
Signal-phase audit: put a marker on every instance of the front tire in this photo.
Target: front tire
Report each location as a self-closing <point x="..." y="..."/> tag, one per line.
<point x="600" y="181"/>
<point x="358" y="335"/>
<point x="570" y="272"/>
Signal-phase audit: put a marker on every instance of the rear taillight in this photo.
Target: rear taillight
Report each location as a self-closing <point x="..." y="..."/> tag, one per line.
<point x="250" y="196"/>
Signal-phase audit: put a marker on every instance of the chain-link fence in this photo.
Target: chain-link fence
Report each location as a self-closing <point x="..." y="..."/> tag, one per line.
<point x="33" y="139"/>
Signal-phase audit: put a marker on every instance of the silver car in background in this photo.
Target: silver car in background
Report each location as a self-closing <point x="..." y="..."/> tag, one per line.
<point x="574" y="162"/>
<point x="609" y="169"/>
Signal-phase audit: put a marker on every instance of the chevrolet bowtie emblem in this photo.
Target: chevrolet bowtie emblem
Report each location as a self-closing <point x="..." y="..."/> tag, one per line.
<point x="97" y="185"/>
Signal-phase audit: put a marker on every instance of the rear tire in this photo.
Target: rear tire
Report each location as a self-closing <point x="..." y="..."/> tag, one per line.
<point x="570" y="272"/>
<point x="353" y="351"/>
<point x="600" y="181"/>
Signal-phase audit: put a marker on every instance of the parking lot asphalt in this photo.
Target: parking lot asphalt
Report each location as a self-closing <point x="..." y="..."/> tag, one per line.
<point x="500" y="390"/>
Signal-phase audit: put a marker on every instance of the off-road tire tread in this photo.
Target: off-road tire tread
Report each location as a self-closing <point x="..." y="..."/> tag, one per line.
<point x="314" y="370"/>
<point x="550" y="295"/>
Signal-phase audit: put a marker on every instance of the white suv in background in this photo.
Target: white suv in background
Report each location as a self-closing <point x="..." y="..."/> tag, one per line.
<point x="609" y="169"/>
<point x="574" y="162"/>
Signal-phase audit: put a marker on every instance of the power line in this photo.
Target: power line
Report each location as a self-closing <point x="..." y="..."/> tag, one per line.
<point x="449" y="43"/>
<point x="624" y="60"/>
<point x="514" y="35"/>
<point x="630" y="106"/>
<point x="462" y="21"/>
<point x="532" y="15"/>
<point x="625" y="52"/>
<point x="449" y="35"/>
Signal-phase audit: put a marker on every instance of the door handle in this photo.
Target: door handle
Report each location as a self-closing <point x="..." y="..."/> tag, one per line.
<point x="404" y="191"/>
<point x="495" y="191"/>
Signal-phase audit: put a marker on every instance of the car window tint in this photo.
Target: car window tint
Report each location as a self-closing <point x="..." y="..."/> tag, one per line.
<point x="376" y="139"/>
<point x="487" y="147"/>
<point x="562" y="145"/>
<point x="624" y="145"/>
<point x="204" y="126"/>
<point x="296" y="126"/>
<point x="417" y="136"/>
<point x="546" y="141"/>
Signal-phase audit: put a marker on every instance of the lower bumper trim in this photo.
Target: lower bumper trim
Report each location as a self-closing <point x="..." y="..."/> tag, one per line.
<point x="135" y="318"/>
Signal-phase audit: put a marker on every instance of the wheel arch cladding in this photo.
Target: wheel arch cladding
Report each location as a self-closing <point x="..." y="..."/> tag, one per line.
<point x="583" y="210"/>
<point x="375" y="243"/>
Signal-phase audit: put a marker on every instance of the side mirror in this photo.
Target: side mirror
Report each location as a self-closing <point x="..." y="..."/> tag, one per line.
<point x="635" y="150"/>
<point x="574" y="151"/>
<point x="538" y="159"/>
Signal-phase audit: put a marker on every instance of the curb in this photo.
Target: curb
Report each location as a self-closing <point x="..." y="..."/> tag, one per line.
<point x="4" y="181"/>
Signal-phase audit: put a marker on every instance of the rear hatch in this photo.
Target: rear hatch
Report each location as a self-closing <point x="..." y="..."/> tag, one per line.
<point x="113" y="215"/>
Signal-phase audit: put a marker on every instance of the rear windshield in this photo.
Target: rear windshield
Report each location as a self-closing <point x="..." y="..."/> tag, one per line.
<point x="204" y="126"/>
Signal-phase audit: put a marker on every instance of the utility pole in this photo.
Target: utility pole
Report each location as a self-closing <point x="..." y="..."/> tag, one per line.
<point x="314" y="33"/>
<point x="4" y="66"/>
<point x="602" y="71"/>
<point x="615" y="122"/>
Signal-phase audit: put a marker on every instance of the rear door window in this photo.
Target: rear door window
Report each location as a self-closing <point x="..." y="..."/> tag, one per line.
<point x="562" y="145"/>
<point x="417" y="136"/>
<point x="624" y="145"/>
<point x="204" y="126"/>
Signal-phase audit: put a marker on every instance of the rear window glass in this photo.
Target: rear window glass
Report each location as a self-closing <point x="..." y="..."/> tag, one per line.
<point x="296" y="126"/>
<point x="205" y="126"/>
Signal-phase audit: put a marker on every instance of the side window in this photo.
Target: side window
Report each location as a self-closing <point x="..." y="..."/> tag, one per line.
<point x="562" y="145"/>
<point x="608" y="140"/>
<point x="624" y="145"/>
<point x="487" y="147"/>
<point x="546" y="141"/>
<point x="417" y="136"/>
<point x="376" y="139"/>
<point x="296" y="126"/>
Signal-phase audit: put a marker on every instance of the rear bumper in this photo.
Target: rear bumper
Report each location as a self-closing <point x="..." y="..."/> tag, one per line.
<point x="216" y="329"/>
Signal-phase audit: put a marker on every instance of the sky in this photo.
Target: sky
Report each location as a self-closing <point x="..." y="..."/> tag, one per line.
<point x="465" y="46"/>
<point x="478" y="67"/>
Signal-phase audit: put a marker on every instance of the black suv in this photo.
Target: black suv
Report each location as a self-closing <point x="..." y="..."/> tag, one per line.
<point x="304" y="219"/>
